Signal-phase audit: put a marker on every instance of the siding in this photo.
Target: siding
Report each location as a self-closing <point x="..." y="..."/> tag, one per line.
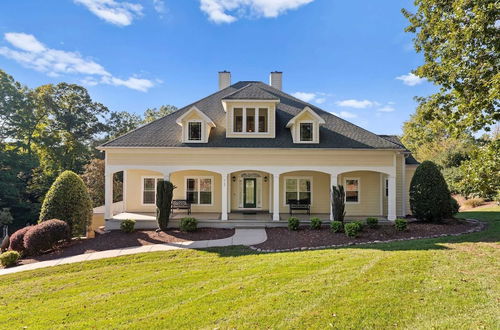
<point x="369" y="186"/>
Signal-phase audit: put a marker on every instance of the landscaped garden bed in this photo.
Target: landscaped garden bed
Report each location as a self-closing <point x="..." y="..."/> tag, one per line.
<point x="117" y="239"/>
<point x="283" y="239"/>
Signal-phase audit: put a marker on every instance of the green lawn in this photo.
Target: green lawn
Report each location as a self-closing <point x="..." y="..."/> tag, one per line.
<point x="434" y="283"/>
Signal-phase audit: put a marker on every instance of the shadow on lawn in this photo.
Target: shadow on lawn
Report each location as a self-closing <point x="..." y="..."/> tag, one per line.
<point x="491" y="234"/>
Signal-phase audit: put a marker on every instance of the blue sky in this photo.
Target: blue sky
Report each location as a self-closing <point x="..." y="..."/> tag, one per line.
<point x="352" y="58"/>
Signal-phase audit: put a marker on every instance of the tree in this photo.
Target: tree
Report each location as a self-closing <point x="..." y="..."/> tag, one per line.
<point x="430" y="199"/>
<point x="461" y="48"/>
<point x="338" y="203"/>
<point x="93" y="177"/>
<point x="164" y="194"/>
<point x="480" y="176"/>
<point x="122" y="122"/>
<point x="68" y="200"/>
<point x="156" y="113"/>
<point x="5" y="217"/>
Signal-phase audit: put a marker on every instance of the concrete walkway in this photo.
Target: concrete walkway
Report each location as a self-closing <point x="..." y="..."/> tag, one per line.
<point x="242" y="236"/>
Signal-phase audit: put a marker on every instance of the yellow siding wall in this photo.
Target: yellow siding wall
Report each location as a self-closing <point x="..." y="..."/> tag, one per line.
<point x="320" y="189"/>
<point x="179" y="180"/>
<point x="369" y="193"/>
<point x="133" y="191"/>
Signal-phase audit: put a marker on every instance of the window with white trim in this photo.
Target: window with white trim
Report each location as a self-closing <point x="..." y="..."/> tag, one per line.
<point x="199" y="190"/>
<point x="351" y="190"/>
<point x="194" y="130"/>
<point x="149" y="185"/>
<point x="250" y="120"/>
<point x="297" y="188"/>
<point x="306" y="132"/>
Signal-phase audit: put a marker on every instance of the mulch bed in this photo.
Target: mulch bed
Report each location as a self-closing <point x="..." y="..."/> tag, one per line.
<point x="117" y="239"/>
<point x="279" y="239"/>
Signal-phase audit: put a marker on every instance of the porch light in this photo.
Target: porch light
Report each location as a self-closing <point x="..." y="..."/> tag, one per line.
<point x="234" y="178"/>
<point x="265" y="179"/>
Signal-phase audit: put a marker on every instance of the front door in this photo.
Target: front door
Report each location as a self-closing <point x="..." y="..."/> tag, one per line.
<point x="249" y="193"/>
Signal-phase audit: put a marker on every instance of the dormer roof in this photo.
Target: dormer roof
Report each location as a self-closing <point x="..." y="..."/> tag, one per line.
<point x="251" y="92"/>
<point x="199" y="113"/>
<point x="307" y="109"/>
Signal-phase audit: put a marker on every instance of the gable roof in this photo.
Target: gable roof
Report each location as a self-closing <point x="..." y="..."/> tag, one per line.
<point x="320" y="120"/>
<point x="410" y="160"/>
<point x="201" y="114"/>
<point x="335" y="133"/>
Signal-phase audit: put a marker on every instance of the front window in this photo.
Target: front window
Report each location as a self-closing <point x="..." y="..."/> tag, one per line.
<point x="352" y="190"/>
<point x="306" y="132"/>
<point x="199" y="190"/>
<point x="194" y="131"/>
<point x="250" y="120"/>
<point x="263" y="113"/>
<point x="149" y="190"/>
<point x="297" y="188"/>
<point x="238" y="120"/>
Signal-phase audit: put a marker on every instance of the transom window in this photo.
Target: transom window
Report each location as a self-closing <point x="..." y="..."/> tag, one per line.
<point x="306" y="132"/>
<point x="199" y="190"/>
<point x="352" y="190"/>
<point x="250" y="120"/>
<point x="297" y="188"/>
<point x="194" y="131"/>
<point x="149" y="190"/>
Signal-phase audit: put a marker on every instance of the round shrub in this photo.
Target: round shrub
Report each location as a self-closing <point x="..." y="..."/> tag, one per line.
<point x="372" y="222"/>
<point x="68" y="199"/>
<point x="429" y="193"/>
<point x="351" y="229"/>
<point x="127" y="225"/>
<point x="17" y="239"/>
<point x="359" y="224"/>
<point x="401" y="224"/>
<point x="189" y="224"/>
<point x="336" y="226"/>
<point x="315" y="223"/>
<point x="454" y="206"/>
<point x="9" y="258"/>
<point x="293" y="223"/>
<point x="45" y="235"/>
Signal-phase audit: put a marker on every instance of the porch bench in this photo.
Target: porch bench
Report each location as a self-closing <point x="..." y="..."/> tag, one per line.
<point x="181" y="204"/>
<point x="299" y="204"/>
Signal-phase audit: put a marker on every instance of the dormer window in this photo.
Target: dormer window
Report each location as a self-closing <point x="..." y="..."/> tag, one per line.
<point x="306" y="131"/>
<point x="194" y="130"/>
<point x="250" y="120"/>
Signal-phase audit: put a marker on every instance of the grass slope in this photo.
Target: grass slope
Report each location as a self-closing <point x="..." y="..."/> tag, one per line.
<point x="433" y="283"/>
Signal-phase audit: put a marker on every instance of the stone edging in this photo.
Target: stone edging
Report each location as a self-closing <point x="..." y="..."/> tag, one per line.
<point x="480" y="225"/>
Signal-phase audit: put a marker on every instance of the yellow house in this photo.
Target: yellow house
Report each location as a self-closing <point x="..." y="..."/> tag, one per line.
<point x="248" y="154"/>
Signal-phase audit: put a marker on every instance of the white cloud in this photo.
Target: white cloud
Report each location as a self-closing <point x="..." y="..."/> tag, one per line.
<point x="114" y="12"/>
<point x="386" y="108"/>
<point x="228" y="11"/>
<point x="320" y="100"/>
<point x="159" y="6"/>
<point x="304" y="96"/>
<point x="346" y="114"/>
<point x="358" y="104"/>
<point x="410" y="79"/>
<point x="33" y="54"/>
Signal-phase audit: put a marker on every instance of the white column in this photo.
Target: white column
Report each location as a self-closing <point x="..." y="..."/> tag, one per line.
<point x="333" y="182"/>
<point x="166" y="176"/>
<point x="403" y="185"/>
<point x="224" y="197"/>
<point x="391" y="215"/>
<point x="276" y="197"/>
<point x="108" y="195"/>
<point x="269" y="182"/>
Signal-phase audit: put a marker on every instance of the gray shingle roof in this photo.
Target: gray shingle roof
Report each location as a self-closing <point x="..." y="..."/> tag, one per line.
<point x="410" y="160"/>
<point x="336" y="133"/>
<point x="251" y="92"/>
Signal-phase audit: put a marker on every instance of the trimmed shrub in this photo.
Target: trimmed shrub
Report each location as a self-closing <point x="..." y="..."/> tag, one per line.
<point x="473" y="202"/>
<point x="68" y="199"/>
<point x="359" y="224"/>
<point x="338" y="203"/>
<point x="351" y="229"/>
<point x="164" y="195"/>
<point x="293" y="223"/>
<point x="372" y="222"/>
<point x="401" y="224"/>
<point x="315" y="223"/>
<point x="17" y="239"/>
<point x="454" y="206"/>
<point x="45" y="235"/>
<point x="429" y="193"/>
<point x="336" y="226"/>
<point x="9" y="258"/>
<point x="189" y="224"/>
<point x="127" y="225"/>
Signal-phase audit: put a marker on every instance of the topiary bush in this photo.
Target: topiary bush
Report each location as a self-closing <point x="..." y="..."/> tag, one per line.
<point x="293" y="223"/>
<point x="127" y="225"/>
<point x="338" y="203"/>
<point x="68" y="199"/>
<point x="351" y="229"/>
<point x="9" y="258"/>
<point x="315" y="223"/>
<point x="401" y="224"/>
<point x="45" y="235"/>
<point x="17" y="239"/>
<point x="372" y="222"/>
<point x="336" y="226"/>
<point x="454" y="206"/>
<point x="189" y="224"/>
<point x="164" y="195"/>
<point x="429" y="193"/>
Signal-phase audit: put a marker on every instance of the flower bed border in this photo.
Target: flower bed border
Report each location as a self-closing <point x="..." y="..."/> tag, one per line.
<point x="480" y="226"/>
